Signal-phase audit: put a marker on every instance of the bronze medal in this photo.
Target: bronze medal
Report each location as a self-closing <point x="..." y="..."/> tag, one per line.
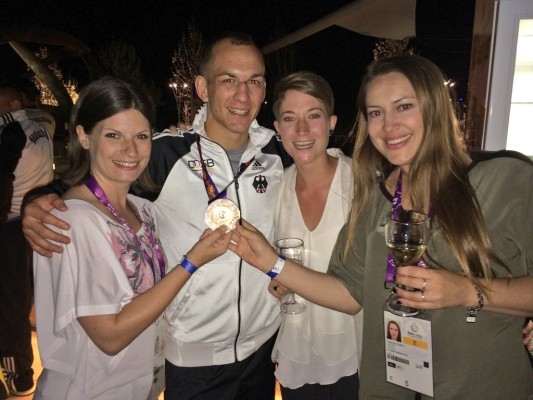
<point x="222" y="212"/>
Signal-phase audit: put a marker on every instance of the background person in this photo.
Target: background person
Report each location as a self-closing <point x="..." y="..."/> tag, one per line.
<point x="317" y="351"/>
<point x="477" y="256"/>
<point x="25" y="162"/>
<point x="31" y="102"/>
<point x="222" y="325"/>
<point x="98" y="303"/>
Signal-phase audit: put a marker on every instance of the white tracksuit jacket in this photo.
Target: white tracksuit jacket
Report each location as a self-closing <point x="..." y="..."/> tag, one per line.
<point x="224" y="313"/>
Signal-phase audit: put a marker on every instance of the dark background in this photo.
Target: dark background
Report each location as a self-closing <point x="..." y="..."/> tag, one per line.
<point x="443" y="27"/>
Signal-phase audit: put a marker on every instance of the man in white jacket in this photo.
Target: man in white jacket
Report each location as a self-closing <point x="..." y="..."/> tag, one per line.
<point x="221" y="327"/>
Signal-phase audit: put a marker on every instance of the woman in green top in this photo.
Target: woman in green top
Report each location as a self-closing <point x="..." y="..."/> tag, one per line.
<point x="480" y="253"/>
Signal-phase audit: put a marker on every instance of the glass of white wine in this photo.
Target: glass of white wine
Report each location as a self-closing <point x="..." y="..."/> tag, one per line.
<point x="406" y="235"/>
<point x="293" y="249"/>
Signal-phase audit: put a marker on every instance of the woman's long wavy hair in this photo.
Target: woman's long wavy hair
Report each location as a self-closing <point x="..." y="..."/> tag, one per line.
<point x="438" y="174"/>
<point x="98" y="101"/>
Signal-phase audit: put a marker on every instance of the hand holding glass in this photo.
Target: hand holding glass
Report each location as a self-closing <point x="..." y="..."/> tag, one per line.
<point x="406" y="235"/>
<point x="293" y="249"/>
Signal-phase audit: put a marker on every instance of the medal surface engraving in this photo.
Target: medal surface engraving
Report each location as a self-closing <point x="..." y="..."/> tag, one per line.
<point x="222" y="212"/>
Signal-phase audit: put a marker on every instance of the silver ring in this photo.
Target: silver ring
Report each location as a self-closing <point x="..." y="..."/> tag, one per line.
<point x="423" y="295"/>
<point x="424" y="285"/>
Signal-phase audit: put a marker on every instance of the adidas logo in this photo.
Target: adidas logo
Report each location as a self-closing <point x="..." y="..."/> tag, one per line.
<point x="256" y="166"/>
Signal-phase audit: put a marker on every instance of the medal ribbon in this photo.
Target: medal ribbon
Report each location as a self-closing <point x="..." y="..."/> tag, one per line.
<point x="396" y="207"/>
<point x="210" y="187"/>
<point x="98" y="192"/>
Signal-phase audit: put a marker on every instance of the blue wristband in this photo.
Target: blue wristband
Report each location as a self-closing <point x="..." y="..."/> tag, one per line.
<point x="188" y="266"/>
<point x="276" y="269"/>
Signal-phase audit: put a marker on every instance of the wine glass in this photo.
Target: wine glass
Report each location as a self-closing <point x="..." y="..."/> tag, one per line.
<point x="292" y="249"/>
<point x="406" y="235"/>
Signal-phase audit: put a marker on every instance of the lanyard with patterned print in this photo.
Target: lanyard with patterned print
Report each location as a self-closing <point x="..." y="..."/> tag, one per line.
<point x="396" y="208"/>
<point x="210" y="187"/>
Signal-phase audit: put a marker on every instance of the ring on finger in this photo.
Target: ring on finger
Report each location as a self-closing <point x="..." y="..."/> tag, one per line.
<point x="424" y="285"/>
<point x="423" y="295"/>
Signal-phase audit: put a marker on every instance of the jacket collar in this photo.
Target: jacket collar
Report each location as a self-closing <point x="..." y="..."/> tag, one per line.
<point x="259" y="135"/>
<point x="7" y="118"/>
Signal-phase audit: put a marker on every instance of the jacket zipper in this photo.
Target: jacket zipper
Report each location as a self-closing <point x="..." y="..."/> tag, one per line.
<point x="239" y="283"/>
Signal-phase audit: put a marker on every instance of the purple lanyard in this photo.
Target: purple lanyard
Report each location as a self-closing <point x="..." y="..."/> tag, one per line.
<point x="396" y="205"/>
<point x="98" y="192"/>
<point x="210" y="187"/>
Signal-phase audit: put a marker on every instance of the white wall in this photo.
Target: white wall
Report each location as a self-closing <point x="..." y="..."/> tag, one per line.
<point x="510" y="98"/>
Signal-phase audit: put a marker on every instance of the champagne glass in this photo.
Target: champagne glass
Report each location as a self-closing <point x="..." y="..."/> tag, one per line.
<point x="292" y="249"/>
<point x="406" y="235"/>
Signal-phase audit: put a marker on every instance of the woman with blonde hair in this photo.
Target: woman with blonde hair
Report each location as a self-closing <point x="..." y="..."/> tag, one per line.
<point x="317" y="351"/>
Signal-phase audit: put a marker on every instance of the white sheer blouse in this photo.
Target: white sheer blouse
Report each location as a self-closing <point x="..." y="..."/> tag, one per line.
<point x="319" y="345"/>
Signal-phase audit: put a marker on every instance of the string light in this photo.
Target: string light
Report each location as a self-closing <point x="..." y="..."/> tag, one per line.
<point x="47" y="98"/>
<point x="449" y="83"/>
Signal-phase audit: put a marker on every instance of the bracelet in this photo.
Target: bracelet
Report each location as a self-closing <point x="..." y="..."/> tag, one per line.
<point x="187" y="265"/>
<point x="472" y="312"/>
<point x="276" y="269"/>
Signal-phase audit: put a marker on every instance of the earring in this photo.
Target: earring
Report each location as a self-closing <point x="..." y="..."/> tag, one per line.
<point x="330" y="132"/>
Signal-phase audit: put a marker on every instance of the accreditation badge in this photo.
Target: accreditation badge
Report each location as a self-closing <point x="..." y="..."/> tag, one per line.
<point x="158" y="382"/>
<point x="222" y="212"/>
<point x="408" y="352"/>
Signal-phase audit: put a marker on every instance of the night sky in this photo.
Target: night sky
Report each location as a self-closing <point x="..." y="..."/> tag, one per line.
<point x="444" y="30"/>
